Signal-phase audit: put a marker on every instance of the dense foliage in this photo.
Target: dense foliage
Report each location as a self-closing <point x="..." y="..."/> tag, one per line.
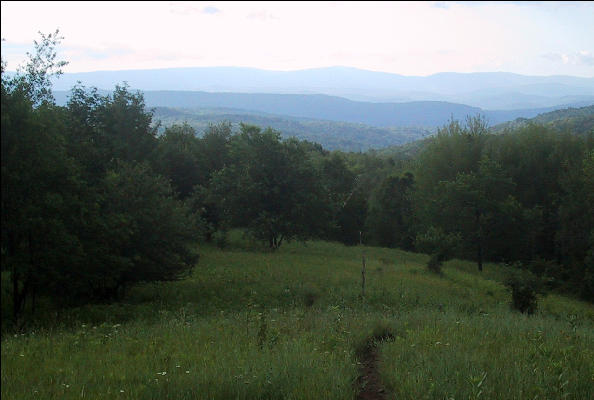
<point x="84" y="215"/>
<point x="333" y="135"/>
<point x="95" y="199"/>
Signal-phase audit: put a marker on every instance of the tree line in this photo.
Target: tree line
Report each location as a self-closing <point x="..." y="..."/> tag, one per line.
<point x="95" y="200"/>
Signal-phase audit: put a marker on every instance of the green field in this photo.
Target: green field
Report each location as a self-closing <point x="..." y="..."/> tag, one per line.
<point x="250" y="324"/>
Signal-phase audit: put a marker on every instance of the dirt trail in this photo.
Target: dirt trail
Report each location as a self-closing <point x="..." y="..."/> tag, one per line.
<point x="369" y="384"/>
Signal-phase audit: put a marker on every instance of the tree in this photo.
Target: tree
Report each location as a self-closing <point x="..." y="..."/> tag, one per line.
<point x="178" y="157"/>
<point x="576" y="233"/>
<point x="343" y="198"/>
<point x="270" y="188"/>
<point x="39" y="180"/>
<point x="473" y="202"/>
<point x="139" y="230"/>
<point x="442" y="246"/>
<point x="390" y="214"/>
<point x="83" y="214"/>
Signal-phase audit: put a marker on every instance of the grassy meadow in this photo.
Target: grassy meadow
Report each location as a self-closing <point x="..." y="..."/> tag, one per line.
<point x="251" y="324"/>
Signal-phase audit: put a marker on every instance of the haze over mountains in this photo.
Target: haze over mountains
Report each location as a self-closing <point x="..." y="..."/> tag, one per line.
<point x="341" y="108"/>
<point x="422" y="114"/>
<point x="489" y="90"/>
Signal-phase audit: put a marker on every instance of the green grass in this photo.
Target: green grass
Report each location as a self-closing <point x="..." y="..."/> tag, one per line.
<point x="250" y="324"/>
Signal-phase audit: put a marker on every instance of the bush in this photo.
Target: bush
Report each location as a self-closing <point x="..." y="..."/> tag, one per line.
<point x="442" y="246"/>
<point x="434" y="264"/>
<point x="552" y="273"/>
<point x="525" y="288"/>
<point x="221" y="240"/>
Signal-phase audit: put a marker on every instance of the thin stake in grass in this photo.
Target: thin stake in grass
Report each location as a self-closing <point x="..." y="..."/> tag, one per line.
<point x="363" y="266"/>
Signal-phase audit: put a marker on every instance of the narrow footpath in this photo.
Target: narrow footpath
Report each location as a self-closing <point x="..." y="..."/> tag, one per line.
<point x="369" y="384"/>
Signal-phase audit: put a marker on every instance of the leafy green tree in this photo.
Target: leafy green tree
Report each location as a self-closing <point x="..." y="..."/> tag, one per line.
<point x="473" y="202"/>
<point x="115" y="126"/>
<point x="576" y="233"/>
<point x="456" y="149"/>
<point x="139" y="230"/>
<point x="539" y="160"/>
<point x="343" y="198"/>
<point x="390" y="214"/>
<point x="83" y="214"/>
<point x="442" y="246"/>
<point x="215" y="147"/>
<point x="351" y="218"/>
<point x="39" y="180"/>
<point x="178" y="157"/>
<point x="270" y="188"/>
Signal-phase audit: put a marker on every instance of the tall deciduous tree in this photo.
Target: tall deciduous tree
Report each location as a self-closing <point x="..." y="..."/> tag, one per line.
<point x="472" y="203"/>
<point x="270" y="188"/>
<point x="83" y="214"/>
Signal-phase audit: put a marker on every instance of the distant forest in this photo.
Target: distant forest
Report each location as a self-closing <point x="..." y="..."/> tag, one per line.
<point x="96" y="200"/>
<point x="332" y="135"/>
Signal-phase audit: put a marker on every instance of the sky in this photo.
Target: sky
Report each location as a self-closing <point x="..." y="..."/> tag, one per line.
<point x="416" y="38"/>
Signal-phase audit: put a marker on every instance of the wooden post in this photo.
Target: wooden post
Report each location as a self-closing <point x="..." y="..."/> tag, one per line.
<point x="363" y="265"/>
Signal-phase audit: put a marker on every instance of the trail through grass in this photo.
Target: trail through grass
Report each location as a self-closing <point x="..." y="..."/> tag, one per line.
<point x="286" y="325"/>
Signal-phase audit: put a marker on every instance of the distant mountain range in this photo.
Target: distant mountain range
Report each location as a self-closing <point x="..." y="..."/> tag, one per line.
<point x="340" y="108"/>
<point x="488" y="90"/>
<point x="420" y="114"/>
<point x="403" y="123"/>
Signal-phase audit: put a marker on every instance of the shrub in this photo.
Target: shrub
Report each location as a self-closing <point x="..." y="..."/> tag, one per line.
<point x="434" y="264"/>
<point x="525" y="287"/>
<point x="442" y="246"/>
<point x="553" y="274"/>
<point x="221" y="240"/>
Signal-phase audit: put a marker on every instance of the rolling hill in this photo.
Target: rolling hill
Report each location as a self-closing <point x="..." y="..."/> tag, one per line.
<point x="488" y="90"/>
<point x="579" y="121"/>
<point x="422" y="114"/>
<point x="331" y="135"/>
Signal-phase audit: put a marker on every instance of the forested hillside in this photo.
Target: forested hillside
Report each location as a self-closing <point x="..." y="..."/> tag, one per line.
<point x="579" y="121"/>
<point x="94" y="200"/>
<point x="331" y="135"/>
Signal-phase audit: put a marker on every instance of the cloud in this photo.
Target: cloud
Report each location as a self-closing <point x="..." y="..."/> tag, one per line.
<point x="187" y="9"/>
<point x="582" y="57"/>
<point x="440" y="4"/>
<point x="181" y="8"/>
<point x="210" y="10"/>
<point x="261" y="15"/>
<point x="103" y="52"/>
<point x="585" y="58"/>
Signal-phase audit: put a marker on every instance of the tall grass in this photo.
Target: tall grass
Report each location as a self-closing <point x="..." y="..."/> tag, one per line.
<point x="250" y="324"/>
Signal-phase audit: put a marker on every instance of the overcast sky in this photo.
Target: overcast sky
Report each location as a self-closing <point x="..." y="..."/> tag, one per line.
<point x="420" y="38"/>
